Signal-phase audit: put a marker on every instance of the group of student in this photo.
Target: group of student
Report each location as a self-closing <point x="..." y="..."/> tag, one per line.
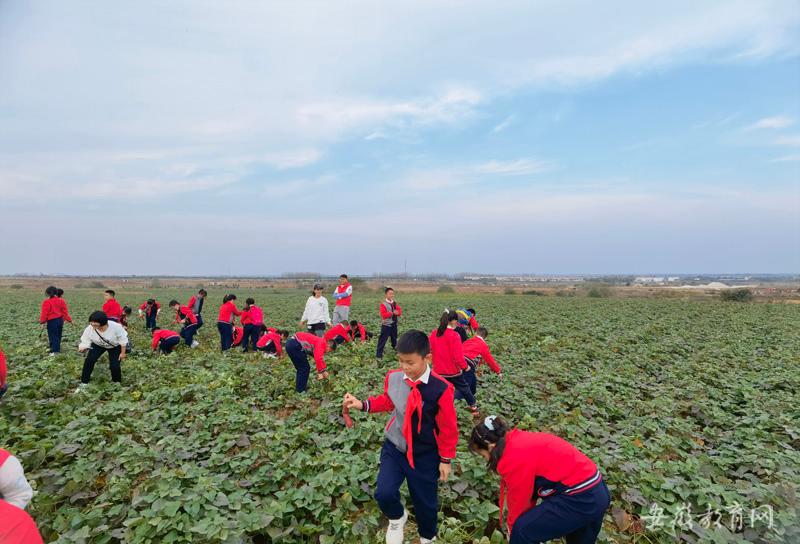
<point x="420" y="439"/>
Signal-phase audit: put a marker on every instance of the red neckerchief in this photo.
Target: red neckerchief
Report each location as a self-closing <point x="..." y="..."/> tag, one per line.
<point x="414" y="403"/>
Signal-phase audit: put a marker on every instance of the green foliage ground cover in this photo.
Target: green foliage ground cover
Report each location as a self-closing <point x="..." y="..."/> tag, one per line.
<point x="684" y="405"/>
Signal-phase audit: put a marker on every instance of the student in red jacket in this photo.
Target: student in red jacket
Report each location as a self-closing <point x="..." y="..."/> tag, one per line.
<point x="339" y="333"/>
<point x="195" y="304"/>
<point x="476" y="351"/>
<point x="448" y="357"/>
<point x="270" y="341"/>
<point x="150" y="308"/>
<point x="298" y="347"/>
<point x="54" y="313"/>
<point x="3" y="374"/>
<point x="111" y="307"/>
<point x="238" y="336"/>
<point x="16" y="526"/>
<point x="252" y="320"/>
<point x="225" y="321"/>
<point x="390" y="311"/>
<point x="420" y="439"/>
<point x="535" y="466"/>
<point x="185" y="316"/>
<point x="357" y="330"/>
<point x="165" y="339"/>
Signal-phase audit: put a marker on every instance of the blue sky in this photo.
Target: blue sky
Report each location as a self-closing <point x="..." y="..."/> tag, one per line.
<point x="259" y="138"/>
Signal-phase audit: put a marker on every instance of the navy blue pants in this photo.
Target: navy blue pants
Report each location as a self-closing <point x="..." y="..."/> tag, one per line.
<point x="94" y="354"/>
<point x="199" y="320"/>
<point x="423" y="486"/>
<point x="462" y="388"/>
<point x="387" y="332"/>
<point x="225" y="335"/>
<point x="250" y="337"/>
<point x="150" y="320"/>
<point x="578" y="518"/>
<point x="168" y="344"/>
<point x="299" y="359"/>
<point x="55" y="328"/>
<point x="188" y="332"/>
<point x="471" y="379"/>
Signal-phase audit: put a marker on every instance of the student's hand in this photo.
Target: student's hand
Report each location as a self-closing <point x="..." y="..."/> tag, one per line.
<point x="500" y="375"/>
<point x="82" y="350"/>
<point x="122" y="355"/>
<point x="444" y="471"/>
<point x="352" y="402"/>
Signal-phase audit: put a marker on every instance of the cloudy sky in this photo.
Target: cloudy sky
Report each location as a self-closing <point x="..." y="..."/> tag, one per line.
<point x="267" y="137"/>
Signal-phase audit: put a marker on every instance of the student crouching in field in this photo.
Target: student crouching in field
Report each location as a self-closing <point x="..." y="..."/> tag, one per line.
<point x="99" y="337"/>
<point x="535" y="466"/>
<point x="344" y="296"/>
<point x="225" y="321"/>
<point x="476" y="351"/>
<point x="420" y="439"/>
<point x="389" y="311"/>
<point x="54" y="313"/>
<point x="298" y="347"/>
<point x="252" y="320"/>
<point x="269" y="344"/>
<point x="359" y="331"/>
<point x="185" y="316"/>
<point x="165" y="340"/>
<point x="448" y="357"/>
<point x="150" y="310"/>
<point x="195" y="304"/>
<point x="111" y="307"/>
<point x="339" y="333"/>
<point x="316" y="316"/>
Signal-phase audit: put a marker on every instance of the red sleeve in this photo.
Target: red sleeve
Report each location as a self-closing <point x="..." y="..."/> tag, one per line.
<point x="473" y="323"/>
<point x="158" y="305"/>
<point x="487" y="356"/>
<point x="319" y="355"/>
<point x="156" y="338"/>
<point x="519" y="491"/>
<point x="45" y="310"/>
<point x="234" y="309"/>
<point x="385" y="314"/>
<point x="190" y="316"/>
<point x="363" y="333"/>
<point x="457" y="350"/>
<point x="3" y="369"/>
<point x="143" y="306"/>
<point x="105" y="306"/>
<point x="66" y="311"/>
<point x="278" y="348"/>
<point x="191" y="302"/>
<point x="447" y="422"/>
<point x="380" y="403"/>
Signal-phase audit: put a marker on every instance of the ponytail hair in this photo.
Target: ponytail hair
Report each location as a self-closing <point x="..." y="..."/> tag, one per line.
<point x="228" y="298"/>
<point x="492" y="430"/>
<point x="444" y="321"/>
<point x="51" y="291"/>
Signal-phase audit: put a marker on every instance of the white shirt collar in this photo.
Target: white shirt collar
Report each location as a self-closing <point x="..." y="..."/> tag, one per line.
<point x="425" y="376"/>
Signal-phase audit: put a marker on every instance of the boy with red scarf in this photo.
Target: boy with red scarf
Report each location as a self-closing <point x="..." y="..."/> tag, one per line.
<point x="420" y="440"/>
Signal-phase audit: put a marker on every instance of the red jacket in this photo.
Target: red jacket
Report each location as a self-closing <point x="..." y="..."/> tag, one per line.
<point x="150" y="310"/>
<point x="271" y="336"/>
<point x="54" y="308"/>
<point x="341" y="329"/>
<point x="540" y="464"/>
<point x="362" y="332"/>
<point x="448" y="355"/>
<point x="252" y="316"/>
<point x="112" y="309"/>
<point x="386" y="313"/>
<point x="16" y="526"/>
<point x="473" y="323"/>
<point x="477" y="347"/>
<point x="227" y="311"/>
<point x="313" y="344"/>
<point x="344" y="301"/>
<point x="160" y="335"/>
<point x="185" y="315"/>
<point x="3" y="369"/>
<point x="238" y="335"/>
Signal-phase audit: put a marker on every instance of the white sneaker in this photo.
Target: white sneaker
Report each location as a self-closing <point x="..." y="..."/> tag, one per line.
<point x="394" y="534"/>
<point x="423" y="540"/>
<point x="52" y="354"/>
<point x="195" y="343"/>
<point x="81" y="388"/>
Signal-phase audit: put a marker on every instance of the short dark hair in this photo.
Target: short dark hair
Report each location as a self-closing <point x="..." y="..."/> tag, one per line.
<point x="174" y="302"/>
<point x="414" y="341"/>
<point x="110" y="292"/>
<point x="354" y="323"/>
<point x="98" y="317"/>
<point x="344" y="276"/>
<point x="151" y="301"/>
<point x="472" y="311"/>
<point x="250" y="301"/>
<point x="202" y="292"/>
<point x="387" y="289"/>
<point x="126" y="309"/>
<point x="482" y="332"/>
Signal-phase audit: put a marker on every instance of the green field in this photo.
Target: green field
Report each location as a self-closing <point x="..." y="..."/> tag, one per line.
<point x="689" y="407"/>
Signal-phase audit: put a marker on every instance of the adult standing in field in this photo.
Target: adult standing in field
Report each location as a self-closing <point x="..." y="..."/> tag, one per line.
<point x="99" y="337"/>
<point x="225" y="321"/>
<point x="389" y="311"/>
<point x="316" y="315"/>
<point x="344" y="296"/>
<point x="195" y="304"/>
<point x="54" y="313"/>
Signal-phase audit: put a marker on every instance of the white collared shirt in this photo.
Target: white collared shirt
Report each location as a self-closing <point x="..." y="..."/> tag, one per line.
<point x="424" y="378"/>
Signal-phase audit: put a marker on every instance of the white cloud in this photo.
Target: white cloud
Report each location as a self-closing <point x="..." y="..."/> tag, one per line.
<point x="792" y="140"/>
<point x="446" y="178"/>
<point x="518" y="167"/>
<point x="292" y="158"/>
<point x="504" y="124"/>
<point x="787" y="158"/>
<point x="777" y="122"/>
